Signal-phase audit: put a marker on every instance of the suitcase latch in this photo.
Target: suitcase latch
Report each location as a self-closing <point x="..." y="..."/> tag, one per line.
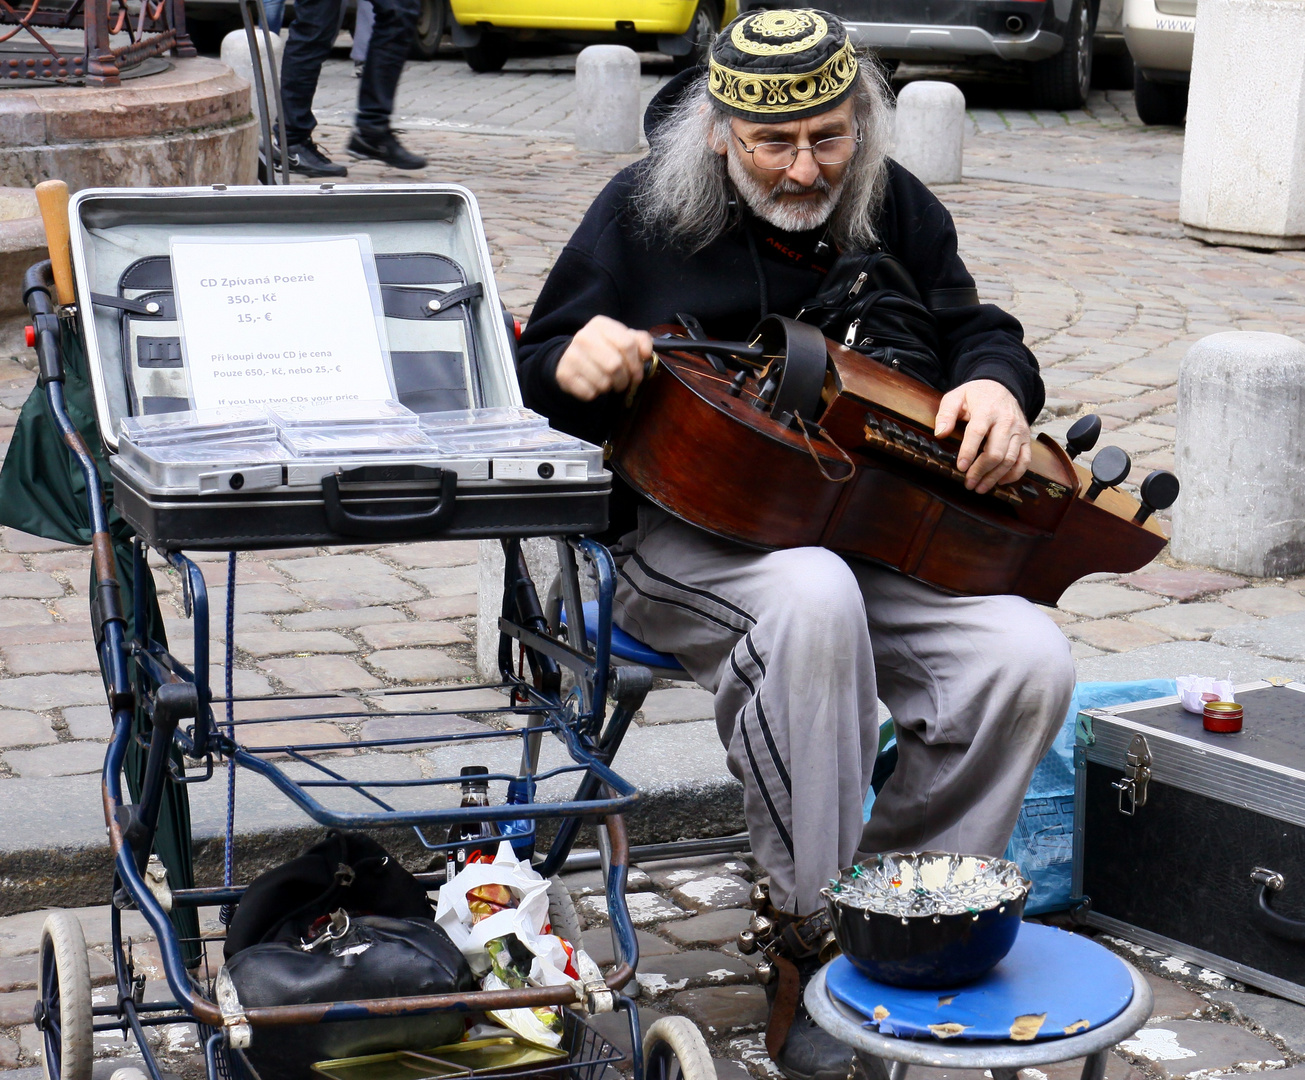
<point x="1137" y="772"/>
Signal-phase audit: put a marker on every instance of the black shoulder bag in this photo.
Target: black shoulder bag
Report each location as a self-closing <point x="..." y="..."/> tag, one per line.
<point x="870" y="303"/>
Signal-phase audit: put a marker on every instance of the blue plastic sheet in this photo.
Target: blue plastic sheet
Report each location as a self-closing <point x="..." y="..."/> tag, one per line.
<point x="1043" y="842"/>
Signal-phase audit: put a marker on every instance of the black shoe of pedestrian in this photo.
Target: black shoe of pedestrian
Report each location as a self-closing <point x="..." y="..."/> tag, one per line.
<point x="383" y="146"/>
<point x="358" y="66"/>
<point x="307" y="160"/>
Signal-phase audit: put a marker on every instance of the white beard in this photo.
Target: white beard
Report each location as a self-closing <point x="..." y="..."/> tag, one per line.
<point x="772" y="208"/>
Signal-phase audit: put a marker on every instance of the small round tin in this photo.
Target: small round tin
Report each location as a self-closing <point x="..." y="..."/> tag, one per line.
<point x="1222" y="717"/>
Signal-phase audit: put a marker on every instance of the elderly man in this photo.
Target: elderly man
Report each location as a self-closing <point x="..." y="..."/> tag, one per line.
<point x="761" y="170"/>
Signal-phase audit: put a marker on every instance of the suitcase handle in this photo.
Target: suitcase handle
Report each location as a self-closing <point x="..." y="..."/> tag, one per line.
<point x="1265" y="917"/>
<point x="380" y="526"/>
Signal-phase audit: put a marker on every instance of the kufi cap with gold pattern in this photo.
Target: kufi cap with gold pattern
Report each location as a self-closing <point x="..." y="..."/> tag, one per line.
<point x="773" y="66"/>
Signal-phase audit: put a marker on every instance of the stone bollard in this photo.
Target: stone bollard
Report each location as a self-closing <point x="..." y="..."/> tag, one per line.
<point x="1241" y="454"/>
<point x="931" y="131"/>
<point x="235" y="54"/>
<point x="1244" y="148"/>
<point x="607" y="99"/>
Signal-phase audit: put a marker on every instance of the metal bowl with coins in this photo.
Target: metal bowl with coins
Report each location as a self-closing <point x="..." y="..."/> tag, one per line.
<point x="928" y="919"/>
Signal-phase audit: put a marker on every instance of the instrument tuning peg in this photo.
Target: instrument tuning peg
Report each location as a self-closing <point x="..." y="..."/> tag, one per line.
<point x="1082" y="435"/>
<point x="1109" y="467"/>
<point x="1158" y="491"/>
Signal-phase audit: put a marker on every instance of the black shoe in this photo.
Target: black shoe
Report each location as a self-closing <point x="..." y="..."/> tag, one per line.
<point x="809" y="1052"/>
<point x="358" y="66"/>
<point x="383" y="146"/>
<point x="307" y="160"/>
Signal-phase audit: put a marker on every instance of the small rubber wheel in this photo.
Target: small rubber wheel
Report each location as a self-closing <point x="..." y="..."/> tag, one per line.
<point x="562" y="915"/>
<point x="489" y="54"/>
<point x="432" y="21"/>
<point x="1159" y="103"/>
<point x="63" y="1009"/>
<point x="674" y="1049"/>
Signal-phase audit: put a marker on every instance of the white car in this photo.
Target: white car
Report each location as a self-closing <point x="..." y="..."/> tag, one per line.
<point x="1159" y="34"/>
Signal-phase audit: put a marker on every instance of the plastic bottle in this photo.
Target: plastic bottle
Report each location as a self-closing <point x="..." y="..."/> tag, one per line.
<point x="477" y="841"/>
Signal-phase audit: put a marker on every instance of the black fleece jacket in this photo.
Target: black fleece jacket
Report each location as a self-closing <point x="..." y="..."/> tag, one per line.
<point x="612" y="266"/>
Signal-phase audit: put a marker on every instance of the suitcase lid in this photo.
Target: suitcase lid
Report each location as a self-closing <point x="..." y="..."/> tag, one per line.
<point x="113" y="229"/>
<point x="1261" y="768"/>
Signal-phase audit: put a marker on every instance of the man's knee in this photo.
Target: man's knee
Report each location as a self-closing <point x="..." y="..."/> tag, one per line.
<point x="1037" y="656"/>
<point x="814" y="589"/>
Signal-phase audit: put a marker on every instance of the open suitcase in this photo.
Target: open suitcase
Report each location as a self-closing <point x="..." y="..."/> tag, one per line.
<point x="449" y="349"/>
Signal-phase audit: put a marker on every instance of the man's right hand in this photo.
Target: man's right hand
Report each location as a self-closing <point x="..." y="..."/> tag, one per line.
<point x="605" y="356"/>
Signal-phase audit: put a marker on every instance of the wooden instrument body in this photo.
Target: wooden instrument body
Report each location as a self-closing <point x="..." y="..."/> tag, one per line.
<point x="715" y="459"/>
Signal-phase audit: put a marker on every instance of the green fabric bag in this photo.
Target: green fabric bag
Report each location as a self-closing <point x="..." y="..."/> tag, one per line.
<point x="43" y="492"/>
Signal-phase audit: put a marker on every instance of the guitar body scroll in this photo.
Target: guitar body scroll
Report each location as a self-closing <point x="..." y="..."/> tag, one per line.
<point x="868" y="480"/>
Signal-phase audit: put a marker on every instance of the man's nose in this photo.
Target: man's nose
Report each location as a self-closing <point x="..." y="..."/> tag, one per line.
<point x="805" y="169"/>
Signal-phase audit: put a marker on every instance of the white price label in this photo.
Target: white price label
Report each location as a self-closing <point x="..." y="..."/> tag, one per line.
<point x="274" y="322"/>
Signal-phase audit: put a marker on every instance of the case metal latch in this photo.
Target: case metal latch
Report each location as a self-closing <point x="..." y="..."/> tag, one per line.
<point x="1137" y="773"/>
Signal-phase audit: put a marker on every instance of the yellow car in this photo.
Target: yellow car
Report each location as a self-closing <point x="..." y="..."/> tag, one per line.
<point x="682" y="29"/>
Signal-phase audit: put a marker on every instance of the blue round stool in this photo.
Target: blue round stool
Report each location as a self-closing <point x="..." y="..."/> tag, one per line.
<point x="1066" y="995"/>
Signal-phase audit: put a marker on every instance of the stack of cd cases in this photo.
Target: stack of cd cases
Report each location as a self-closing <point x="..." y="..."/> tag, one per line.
<point x="369" y="460"/>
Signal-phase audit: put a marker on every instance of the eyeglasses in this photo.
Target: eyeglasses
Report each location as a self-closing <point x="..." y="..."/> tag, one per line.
<point x="781" y="155"/>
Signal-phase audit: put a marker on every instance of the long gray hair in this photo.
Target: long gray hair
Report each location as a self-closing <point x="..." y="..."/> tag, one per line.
<point x="684" y="193"/>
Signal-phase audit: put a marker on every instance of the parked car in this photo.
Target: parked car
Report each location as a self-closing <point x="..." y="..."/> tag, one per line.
<point x="1053" y="39"/>
<point x="485" y="30"/>
<point x="1159" y="35"/>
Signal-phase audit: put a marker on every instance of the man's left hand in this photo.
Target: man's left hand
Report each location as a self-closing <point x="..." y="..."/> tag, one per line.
<point x="994" y="422"/>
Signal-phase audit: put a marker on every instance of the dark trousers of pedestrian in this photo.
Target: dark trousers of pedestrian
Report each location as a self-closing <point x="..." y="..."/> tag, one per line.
<point x="313" y="33"/>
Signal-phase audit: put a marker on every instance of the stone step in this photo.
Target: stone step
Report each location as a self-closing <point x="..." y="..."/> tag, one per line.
<point x="54" y="851"/>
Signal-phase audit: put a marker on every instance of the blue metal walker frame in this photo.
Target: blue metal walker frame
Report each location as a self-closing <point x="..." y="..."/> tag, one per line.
<point x="143" y="671"/>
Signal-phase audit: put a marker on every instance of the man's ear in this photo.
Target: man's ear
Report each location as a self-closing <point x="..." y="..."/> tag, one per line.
<point x="716" y="142"/>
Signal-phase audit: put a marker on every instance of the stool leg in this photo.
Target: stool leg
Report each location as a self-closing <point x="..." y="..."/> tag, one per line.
<point x="1094" y="1068"/>
<point x="1005" y="1074"/>
<point x="897" y="1070"/>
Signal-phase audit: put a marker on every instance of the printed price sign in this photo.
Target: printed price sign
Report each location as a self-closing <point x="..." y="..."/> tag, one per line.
<point x="280" y="321"/>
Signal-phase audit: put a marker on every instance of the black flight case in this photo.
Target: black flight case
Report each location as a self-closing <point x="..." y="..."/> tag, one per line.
<point x="1193" y="843"/>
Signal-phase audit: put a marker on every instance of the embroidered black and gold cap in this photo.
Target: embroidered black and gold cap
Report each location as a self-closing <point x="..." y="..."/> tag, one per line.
<point x="772" y="66"/>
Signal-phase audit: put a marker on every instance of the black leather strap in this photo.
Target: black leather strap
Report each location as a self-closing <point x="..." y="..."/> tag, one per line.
<point x="947" y="299"/>
<point x="411" y="303"/>
<point x="162" y="304"/>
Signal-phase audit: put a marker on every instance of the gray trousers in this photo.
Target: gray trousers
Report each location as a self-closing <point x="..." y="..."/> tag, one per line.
<point x="798" y="645"/>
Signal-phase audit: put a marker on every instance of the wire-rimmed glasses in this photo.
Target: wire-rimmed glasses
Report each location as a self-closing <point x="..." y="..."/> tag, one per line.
<point x="774" y="156"/>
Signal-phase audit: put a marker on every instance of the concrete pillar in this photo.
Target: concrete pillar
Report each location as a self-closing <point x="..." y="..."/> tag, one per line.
<point x="1241" y="454"/>
<point x="1244" y="152"/>
<point x="931" y="131"/>
<point x="235" y="54"/>
<point x="607" y="113"/>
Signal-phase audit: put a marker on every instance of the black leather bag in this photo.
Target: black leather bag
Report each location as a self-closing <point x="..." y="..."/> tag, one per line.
<point x="870" y="303"/>
<point x="352" y="960"/>
<point x="344" y="870"/>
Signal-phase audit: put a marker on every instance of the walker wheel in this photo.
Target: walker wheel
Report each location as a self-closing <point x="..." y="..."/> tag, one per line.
<point x="562" y="914"/>
<point x="63" y="1011"/>
<point x="674" y="1049"/>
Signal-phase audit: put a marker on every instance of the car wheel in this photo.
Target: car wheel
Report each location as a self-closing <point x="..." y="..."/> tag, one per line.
<point x="702" y="32"/>
<point x="489" y="54"/>
<point x="1159" y="103"/>
<point x="1061" y="82"/>
<point x="432" y="21"/>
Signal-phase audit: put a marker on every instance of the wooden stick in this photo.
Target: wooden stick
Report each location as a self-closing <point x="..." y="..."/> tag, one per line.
<point x="52" y="196"/>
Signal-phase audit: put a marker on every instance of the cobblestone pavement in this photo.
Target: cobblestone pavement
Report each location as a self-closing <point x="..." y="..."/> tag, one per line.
<point x="1068" y="220"/>
<point x="689" y="913"/>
